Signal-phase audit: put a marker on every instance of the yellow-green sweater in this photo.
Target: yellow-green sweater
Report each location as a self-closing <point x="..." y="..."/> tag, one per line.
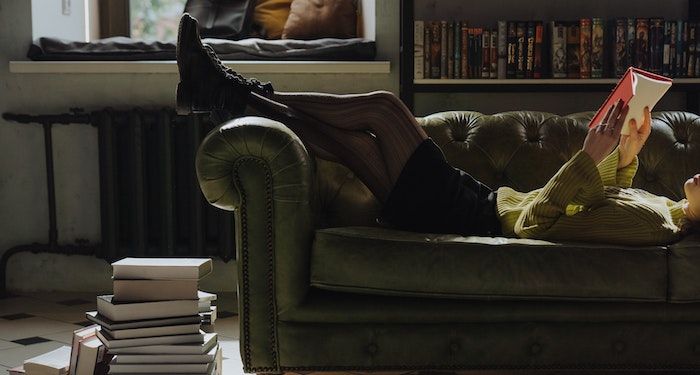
<point x="585" y="202"/>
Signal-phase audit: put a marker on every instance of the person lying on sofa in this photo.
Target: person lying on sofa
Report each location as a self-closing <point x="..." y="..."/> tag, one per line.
<point x="378" y="138"/>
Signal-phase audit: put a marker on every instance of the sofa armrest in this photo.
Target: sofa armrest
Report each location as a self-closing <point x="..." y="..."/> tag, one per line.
<point x="261" y="170"/>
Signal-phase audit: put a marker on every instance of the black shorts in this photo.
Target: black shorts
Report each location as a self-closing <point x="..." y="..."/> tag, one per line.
<point x="432" y="196"/>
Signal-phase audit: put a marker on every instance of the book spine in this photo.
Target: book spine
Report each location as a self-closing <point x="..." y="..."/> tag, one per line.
<point x="450" y="50"/>
<point x="631" y="42"/>
<point x="478" y="38"/>
<point x="641" y="57"/>
<point x="673" y="51"/>
<point x="691" y="49"/>
<point x="458" y="49"/>
<point x="426" y="49"/>
<point x="656" y="44"/>
<point x="659" y="23"/>
<point x="597" y="47"/>
<point x="585" y="48"/>
<point x="620" y="53"/>
<point x="537" y="71"/>
<point x="502" y="49"/>
<point x="493" y="54"/>
<point x="684" y="53"/>
<point x="530" y="49"/>
<point x="443" y="49"/>
<point x="418" y="54"/>
<point x="485" y="53"/>
<point x="558" y="40"/>
<point x="697" y="49"/>
<point x="465" y="50"/>
<point x="572" y="50"/>
<point x="435" y="47"/>
<point x="666" y="59"/>
<point x="520" y="54"/>
<point x="470" y="54"/>
<point x="512" y="41"/>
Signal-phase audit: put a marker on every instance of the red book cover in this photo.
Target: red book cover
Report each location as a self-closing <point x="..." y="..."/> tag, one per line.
<point x="637" y="88"/>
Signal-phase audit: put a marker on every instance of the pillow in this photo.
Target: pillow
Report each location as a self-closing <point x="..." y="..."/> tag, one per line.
<point x="271" y="15"/>
<point x="315" y="19"/>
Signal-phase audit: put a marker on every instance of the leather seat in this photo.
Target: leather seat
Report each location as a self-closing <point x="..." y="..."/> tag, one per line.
<point x="390" y="262"/>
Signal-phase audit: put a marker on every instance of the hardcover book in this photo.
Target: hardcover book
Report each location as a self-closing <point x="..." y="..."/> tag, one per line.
<point x="637" y="88"/>
<point x="443" y="50"/>
<point x="530" y="49"/>
<point x="457" y="50"/>
<point x="502" y="49"/>
<point x="493" y="54"/>
<point x="464" y="39"/>
<point x="558" y="55"/>
<point x="521" y="34"/>
<point x="597" y="47"/>
<point x="641" y="57"/>
<point x="418" y="58"/>
<point x="656" y="44"/>
<point x="161" y="268"/>
<point x="680" y="49"/>
<point x="691" y="49"/>
<point x="538" y="50"/>
<point x="435" y="46"/>
<point x="620" y="53"/>
<point x="572" y="50"/>
<point x="631" y="42"/>
<point x="450" y="49"/>
<point x="512" y="41"/>
<point x="585" y="48"/>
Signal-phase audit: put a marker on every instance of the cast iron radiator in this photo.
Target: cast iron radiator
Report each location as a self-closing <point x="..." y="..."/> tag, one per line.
<point x="150" y="202"/>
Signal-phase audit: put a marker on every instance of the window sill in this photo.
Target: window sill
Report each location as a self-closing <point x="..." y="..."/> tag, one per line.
<point x="170" y="67"/>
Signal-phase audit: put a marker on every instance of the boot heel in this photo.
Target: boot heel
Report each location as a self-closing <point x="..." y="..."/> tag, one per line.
<point x="184" y="99"/>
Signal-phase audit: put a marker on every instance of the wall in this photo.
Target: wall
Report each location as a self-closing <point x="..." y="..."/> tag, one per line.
<point x="23" y="212"/>
<point x="48" y="19"/>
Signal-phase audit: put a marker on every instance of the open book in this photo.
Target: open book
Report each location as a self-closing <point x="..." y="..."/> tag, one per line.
<point x="638" y="89"/>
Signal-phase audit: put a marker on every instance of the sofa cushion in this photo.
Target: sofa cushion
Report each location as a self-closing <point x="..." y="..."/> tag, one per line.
<point x="684" y="270"/>
<point x="390" y="262"/>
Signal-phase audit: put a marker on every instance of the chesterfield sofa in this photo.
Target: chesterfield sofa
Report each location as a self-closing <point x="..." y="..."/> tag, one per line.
<point x="321" y="287"/>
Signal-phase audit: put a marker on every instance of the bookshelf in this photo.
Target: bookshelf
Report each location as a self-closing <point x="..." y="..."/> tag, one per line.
<point x="410" y="86"/>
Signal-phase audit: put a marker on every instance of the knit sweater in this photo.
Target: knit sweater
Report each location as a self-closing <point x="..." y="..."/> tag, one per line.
<point x="585" y="202"/>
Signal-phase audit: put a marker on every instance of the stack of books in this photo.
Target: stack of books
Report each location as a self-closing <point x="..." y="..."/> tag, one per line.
<point x="589" y="47"/>
<point x="152" y="322"/>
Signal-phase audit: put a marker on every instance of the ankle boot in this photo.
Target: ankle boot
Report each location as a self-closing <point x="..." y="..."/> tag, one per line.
<point x="206" y="84"/>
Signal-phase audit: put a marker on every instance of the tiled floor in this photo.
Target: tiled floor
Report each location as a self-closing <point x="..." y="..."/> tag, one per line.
<point x="31" y="324"/>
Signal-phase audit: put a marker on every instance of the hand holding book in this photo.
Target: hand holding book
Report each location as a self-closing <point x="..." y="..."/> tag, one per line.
<point x="631" y="144"/>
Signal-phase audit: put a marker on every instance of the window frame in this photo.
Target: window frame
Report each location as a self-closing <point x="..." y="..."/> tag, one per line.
<point x="114" y="18"/>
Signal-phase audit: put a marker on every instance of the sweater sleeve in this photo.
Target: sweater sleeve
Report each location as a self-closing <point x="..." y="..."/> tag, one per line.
<point x="611" y="176"/>
<point x="577" y="180"/>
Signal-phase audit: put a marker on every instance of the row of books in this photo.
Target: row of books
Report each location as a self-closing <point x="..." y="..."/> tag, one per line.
<point x="152" y="323"/>
<point x="585" y="48"/>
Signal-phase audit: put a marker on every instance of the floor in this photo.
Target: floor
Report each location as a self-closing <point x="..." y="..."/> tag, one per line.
<point x="31" y="324"/>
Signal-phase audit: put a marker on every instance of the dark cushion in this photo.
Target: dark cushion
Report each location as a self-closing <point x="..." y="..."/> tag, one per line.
<point x="684" y="270"/>
<point x="390" y="262"/>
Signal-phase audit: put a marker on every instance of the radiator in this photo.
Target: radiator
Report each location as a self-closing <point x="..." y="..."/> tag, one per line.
<point x="150" y="202"/>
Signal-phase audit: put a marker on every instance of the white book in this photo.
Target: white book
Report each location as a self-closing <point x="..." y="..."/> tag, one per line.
<point x="418" y="49"/>
<point x="206" y="296"/>
<point x="210" y="340"/>
<point x="160" y="368"/>
<point x="167" y="358"/>
<point x="154" y="290"/>
<point x="110" y="342"/>
<point x="120" y="312"/>
<point x="209" y="317"/>
<point x="55" y="362"/>
<point x="161" y="268"/>
<point x="80" y="335"/>
<point x="153" y="331"/>
<point x="93" y="316"/>
<point x="88" y="358"/>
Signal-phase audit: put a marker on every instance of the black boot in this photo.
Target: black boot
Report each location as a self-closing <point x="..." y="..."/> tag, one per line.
<point x="206" y="84"/>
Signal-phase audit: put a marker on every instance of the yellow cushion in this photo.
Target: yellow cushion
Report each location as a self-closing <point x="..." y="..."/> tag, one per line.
<point x="272" y="15"/>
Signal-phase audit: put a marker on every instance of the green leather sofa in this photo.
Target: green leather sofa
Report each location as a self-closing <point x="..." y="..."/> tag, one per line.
<point x="321" y="287"/>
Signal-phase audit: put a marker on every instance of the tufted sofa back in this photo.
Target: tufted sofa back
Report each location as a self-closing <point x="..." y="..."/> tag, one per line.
<point x="520" y="149"/>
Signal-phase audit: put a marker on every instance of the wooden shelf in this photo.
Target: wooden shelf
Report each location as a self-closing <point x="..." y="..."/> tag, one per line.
<point x="540" y="85"/>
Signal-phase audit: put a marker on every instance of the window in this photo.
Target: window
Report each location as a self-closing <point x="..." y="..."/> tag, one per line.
<point x="155" y="19"/>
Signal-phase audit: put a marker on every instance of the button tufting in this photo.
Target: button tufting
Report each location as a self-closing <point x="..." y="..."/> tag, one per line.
<point x="535" y="348"/>
<point x="619" y="346"/>
<point x="372" y="348"/>
<point x="454" y="346"/>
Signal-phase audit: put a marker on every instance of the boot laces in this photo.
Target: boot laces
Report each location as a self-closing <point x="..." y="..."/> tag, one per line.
<point x="250" y="83"/>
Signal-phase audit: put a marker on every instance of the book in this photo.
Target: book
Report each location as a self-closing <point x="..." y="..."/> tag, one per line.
<point x="537" y="70"/>
<point x="435" y="46"/>
<point x="79" y="336"/>
<point x="19" y="370"/>
<point x="209" y="317"/>
<point x="443" y="49"/>
<point x="457" y="50"/>
<point x="673" y="26"/>
<point x="678" y="66"/>
<point x="155" y="290"/>
<point x="110" y="342"/>
<point x="597" y="47"/>
<point x="89" y="356"/>
<point x="450" y="49"/>
<point x="584" y="49"/>
<point x="120" y="312"/>
<point x="641" y="57"/>
<point x="656" y="27"/>
<point x="485" y="53"/>
<point x="691" y="49"/>
<point x="637" y="88"/>
<point x="521" y="52"/>
<point x="55" y="362"/>
<point x="684" y="53"/>
<point x="161" y="268"/>
<point x="153" y="331"/>
<point x="159" y="368"/>
<point x="107" y="323"/>
<point x="418" y="59"/>
<point x="512" y="43"/>
<point x="529" y="49"/>
<point x="209" y="341"/>
<point x="502" y="51"/>
<point x="620" y="52"/>
<point x="697" y="50"/>
<point x="493" y="54"/>
<point x="558" y="49"/>
<point x="426" y="49"/>
<point x="167" y="358"/>
<point x="631" y="43"/>
<point x="572" y="50"/>
<point x="464" y="61"/>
